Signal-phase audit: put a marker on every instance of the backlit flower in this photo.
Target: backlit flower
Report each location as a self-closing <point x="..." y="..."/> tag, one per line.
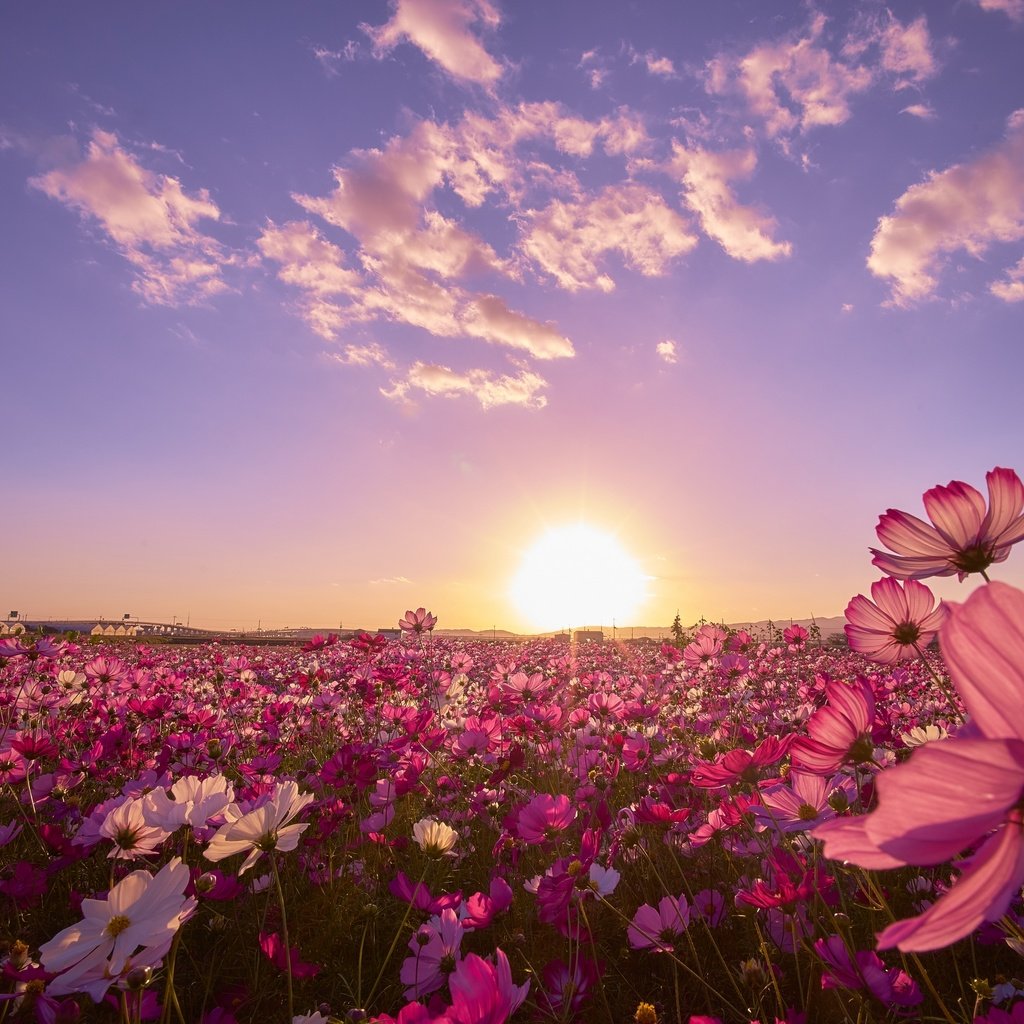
<point x="659" y="929"/>
<point x="966" y="537"/>
<point x="262" y="829"/>
<point x="951" y="795"/>
<point x="435" y="837"/>
<point x="899" y="620"/>
<point x="419" y="621"/>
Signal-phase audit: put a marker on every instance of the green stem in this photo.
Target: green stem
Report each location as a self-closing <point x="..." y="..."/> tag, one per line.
<point x="284" y="933"/>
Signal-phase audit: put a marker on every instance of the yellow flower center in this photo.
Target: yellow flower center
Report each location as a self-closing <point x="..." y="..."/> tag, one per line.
<point x="116" y="925"/>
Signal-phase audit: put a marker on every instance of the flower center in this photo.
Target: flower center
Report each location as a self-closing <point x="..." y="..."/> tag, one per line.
<point x="807" y="812"/>
<point x="973" y="559"/>
<point x="906" y="633"/>
<point x="117" y="924"/>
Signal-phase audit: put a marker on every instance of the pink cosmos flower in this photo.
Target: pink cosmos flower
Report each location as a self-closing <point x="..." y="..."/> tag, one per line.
<point x="966" y="537"/>
<point x="126" y="827"/>
<point x="863" y="970"/>
<point x="419" y="621"/>
<point x="545" y="817"/>
<point x="434" y="955"/>
<point x="482" y="993"/>
<point x="954" y="793"/>
<point x="899" y="619"/>
<point x="795" y="637"/>
<point x="840" y="733"/>
<point x="804" y="802"/>
<point x="659" y="929"/>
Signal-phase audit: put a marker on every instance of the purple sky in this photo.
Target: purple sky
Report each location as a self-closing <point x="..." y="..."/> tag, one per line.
<point x="312" y="313"/>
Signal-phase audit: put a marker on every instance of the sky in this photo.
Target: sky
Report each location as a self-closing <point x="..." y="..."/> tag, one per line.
<point x="311" y="313"/>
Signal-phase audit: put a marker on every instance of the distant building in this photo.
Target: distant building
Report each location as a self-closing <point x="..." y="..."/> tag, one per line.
<point x="11" y="628"/>
<point x="588" y="634"/>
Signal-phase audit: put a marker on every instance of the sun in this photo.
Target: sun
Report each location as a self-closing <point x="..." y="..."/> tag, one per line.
<point x="577" y="575"/>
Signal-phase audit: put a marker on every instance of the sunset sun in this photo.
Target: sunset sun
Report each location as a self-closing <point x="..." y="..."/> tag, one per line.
<point x="577" y="575"/>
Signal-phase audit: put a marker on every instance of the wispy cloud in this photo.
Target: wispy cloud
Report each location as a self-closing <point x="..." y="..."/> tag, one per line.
<point x="921" y="110"/>
<point x="1011" y="287"/>
<point x="444" y="31"/>
<point x="488" y="389"/>
<point x="387" y="581"/>
<point x="568" y="239"/>
<point x="1013" y="9"/>
<point x="744" y="232"/>
<point x="966" y="207"/>
<point x="150" y="218"/>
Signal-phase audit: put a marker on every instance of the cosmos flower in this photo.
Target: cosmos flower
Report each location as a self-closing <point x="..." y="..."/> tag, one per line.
<point x="545" y="817"/>
<point x="419" y="621"/>
<point x="435" y="837"/>
<point x="966" y="536"/>
<point x="951" y="795"/>
<point x="897" y="621"/>
<point x="191" y="800"/>
<point x="136" y="922"/>
<point x="483" y="993"/>
<point x="659" y="929"/>
<point x="262" y="829"/>
<point x="840" y="733"/>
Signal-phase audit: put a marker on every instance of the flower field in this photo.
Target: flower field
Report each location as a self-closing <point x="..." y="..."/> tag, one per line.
<point x="734" y="828"/>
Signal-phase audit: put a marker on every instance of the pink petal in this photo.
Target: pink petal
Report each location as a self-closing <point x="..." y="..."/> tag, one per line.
<point x="957" y="511"/>
<point x="983" y="644"/>
<point x="982" y="893"/>
<point x="846" y="840"/>
<point x="908" y="535"/>
<point x="1005" y="502"/>
<point x="945" y="797"/>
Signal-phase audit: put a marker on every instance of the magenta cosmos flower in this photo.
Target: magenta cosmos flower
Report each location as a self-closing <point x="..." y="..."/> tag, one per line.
<point x="545" y="817"/>
<point x="966" y="537"/>
<point x="956" y="793"/>
<point x="419" y="621"/>
<point x="840" y="732"/>
<point x="897" y="621"/>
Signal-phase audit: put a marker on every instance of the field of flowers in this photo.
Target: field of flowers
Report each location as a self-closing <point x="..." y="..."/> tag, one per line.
<point x="731" y="829"/>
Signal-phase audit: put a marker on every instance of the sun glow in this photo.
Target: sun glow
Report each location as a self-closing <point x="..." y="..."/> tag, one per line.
<point x="577" y="576"/>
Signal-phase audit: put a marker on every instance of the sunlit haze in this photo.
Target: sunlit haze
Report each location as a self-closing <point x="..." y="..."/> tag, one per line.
<point x="312" y="313"/>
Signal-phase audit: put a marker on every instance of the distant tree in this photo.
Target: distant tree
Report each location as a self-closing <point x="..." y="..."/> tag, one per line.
<point x="678" y="633"/>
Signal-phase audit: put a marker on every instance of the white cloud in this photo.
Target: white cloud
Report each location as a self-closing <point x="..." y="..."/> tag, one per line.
<point x="489" y="389"/>
<point x="443" y="30"/>
<point x="387" y="581"/>
<point x="568" y="239"/>
<point x="667" y="351"/>
<point x="149" y="217"/>
<point x="966" y="207"/>
<point x="662" y="67"/>
<point x="743" y="232"/>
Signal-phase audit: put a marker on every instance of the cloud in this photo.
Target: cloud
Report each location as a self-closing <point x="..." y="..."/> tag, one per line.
<point x="921" y="110"/>
<point x="489" y="389"/>
<point x="743" y="232"/>
<point x="568" y="239"/>
<point x="904" y="52"/>
<point x="1013" y="9"/>
<point x="662" y="67"/>
<point x="791" y="85"/>
<point x="371" y="354"/>
<point x="667" y="351"/>
<point x="966" y="207"/>
<point x="387" y="581"/>
<point x="487" y="317"/>
<point x="149" y="217"/>
<point x="1011" y="288"/>
<point x="443" y="30"/>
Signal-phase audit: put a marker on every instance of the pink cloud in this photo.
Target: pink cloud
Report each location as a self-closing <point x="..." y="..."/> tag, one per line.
<point x="1011" y="288"/>
<point x="443" y="30"/>
<point x="667" y="351"/>
<point x="149" y="217"/>
<point x="1013" y="9"/>
<point x="966" y="207"/>
<point x="568" y="239"/>
<point x="487" y="317"/>
<point x="791" y="85"/>
<point x="488" y="389"/>
<point x="743" y="232"/>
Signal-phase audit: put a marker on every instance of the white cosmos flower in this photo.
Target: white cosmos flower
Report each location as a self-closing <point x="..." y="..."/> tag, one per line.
<point x="142" y="911"/>
<point x="262" y="829"/>
<point x="191" y="800"/>
<point x="435" y="837"/>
